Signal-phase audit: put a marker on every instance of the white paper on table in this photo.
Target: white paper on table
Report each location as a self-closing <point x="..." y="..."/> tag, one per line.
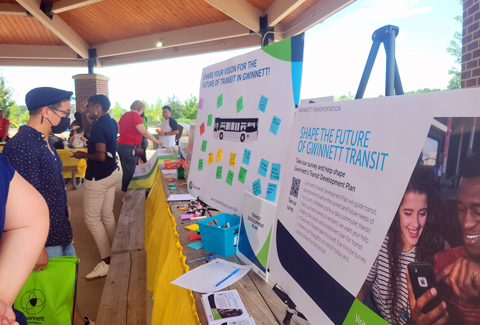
<point x="168" y="171"/>
<point x="205" y="278"/>
<point x="180" y="197"/>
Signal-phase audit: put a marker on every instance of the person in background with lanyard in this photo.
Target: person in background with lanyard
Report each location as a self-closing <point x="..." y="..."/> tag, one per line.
<point x="33" y="156"/>
<point x="144" y="145"/>
<point x="4" y="127"/>
<point x="100" y="180"/>
<point x="169" y="128"/>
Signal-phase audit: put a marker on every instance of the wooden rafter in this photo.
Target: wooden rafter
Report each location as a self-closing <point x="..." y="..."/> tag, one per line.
<point x="280" y="9"/>
<point x="65" y="5"/>
<point x="241" y="11"/>
<point x="57" y="26"/>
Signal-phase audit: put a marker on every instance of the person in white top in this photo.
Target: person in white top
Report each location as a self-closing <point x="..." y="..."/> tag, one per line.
<point x="78" y="140"/>
<point x="168" y="129"/>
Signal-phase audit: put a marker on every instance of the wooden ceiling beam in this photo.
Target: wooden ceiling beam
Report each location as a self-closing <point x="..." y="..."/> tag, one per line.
<point x="41" y="63"/>
<point x="65" y="5"/>
<point x="8" y="51"/>
<point x="281" y="9"/>
<point x="187" y="36"/>
<point x="240" y="11"/>
<point x="57" y="26"/>
<point x="193" y="49"/>
<point x="12" y="9"/>
<point x="314" y="15"/>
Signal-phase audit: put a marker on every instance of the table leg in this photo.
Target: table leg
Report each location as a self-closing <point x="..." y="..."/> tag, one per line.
<point x="74" y="181"/>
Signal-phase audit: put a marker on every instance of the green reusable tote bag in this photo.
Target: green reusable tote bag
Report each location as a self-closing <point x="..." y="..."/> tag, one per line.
<point x="48" y="296"/>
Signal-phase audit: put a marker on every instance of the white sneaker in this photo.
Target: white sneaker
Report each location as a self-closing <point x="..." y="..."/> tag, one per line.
<point x="99" y="271"/>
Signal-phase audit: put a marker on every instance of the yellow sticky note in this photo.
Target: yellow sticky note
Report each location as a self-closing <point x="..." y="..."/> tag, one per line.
<point x="219" y="154"/>
<point x="232" y="159"/>
<point x="210" y="158"/>
<point x="192" y="227"/>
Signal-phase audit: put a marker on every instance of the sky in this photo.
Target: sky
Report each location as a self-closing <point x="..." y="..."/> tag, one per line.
<point x="334" y="57"/>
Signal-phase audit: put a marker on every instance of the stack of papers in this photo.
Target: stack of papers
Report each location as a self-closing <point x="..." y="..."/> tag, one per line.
<point x="206" y="277"/>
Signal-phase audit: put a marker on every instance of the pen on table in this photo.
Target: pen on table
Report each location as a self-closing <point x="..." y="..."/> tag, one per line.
<point x="228" y="277"/>
<point x="202" y="258"/>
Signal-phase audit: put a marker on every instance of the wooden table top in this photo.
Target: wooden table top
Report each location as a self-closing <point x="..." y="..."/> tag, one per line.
<point x="257" y="295"/>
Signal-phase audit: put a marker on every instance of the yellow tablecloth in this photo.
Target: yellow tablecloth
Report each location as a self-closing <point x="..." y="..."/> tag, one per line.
<point x="172" y="305"/>
<point x="67" y="160"/>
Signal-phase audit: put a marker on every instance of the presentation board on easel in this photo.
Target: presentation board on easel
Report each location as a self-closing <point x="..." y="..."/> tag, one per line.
<point x="245" y="112"/>
<point x="345" y="178"/>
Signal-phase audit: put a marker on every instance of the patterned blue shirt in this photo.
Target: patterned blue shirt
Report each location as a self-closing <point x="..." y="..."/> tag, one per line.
<point x="28" y="153"/>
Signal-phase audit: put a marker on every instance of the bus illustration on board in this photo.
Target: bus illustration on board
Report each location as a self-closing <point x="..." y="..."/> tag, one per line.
<point x="237" y="129"/>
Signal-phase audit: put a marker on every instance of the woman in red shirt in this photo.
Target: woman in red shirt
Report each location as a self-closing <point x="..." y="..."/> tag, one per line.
<point x="131" y="129"/>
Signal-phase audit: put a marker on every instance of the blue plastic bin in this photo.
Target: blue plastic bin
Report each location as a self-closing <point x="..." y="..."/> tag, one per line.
<point x="217" y="240"/>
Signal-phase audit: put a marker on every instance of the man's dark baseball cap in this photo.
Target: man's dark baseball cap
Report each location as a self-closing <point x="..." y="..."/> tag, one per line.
<point x="44" y="96"/>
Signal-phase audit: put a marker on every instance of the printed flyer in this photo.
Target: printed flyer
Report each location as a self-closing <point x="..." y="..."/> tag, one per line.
<point x="370" y="187"/>
<point x="256" y="226"/>
<point x="244" y="120"/>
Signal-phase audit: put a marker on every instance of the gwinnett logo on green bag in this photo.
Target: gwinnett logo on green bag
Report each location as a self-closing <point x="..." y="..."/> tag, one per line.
<point x="33" y="302"/>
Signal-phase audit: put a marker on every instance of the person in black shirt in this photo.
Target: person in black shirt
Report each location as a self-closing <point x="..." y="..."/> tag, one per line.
<point x="101" y="178"/>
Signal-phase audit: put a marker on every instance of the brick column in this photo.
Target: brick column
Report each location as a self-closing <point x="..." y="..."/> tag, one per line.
<point x="470" y="44"/>
<point x="87" y="85"/>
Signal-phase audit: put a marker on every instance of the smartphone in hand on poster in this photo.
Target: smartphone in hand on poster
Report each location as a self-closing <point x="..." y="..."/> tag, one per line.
<point x="422" y="278"/>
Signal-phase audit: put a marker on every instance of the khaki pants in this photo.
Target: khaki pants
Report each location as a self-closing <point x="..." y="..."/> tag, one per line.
<point x="98" y="202"/>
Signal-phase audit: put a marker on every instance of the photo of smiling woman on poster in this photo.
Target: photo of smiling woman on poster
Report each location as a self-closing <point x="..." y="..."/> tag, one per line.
<point x="413" y="237"/>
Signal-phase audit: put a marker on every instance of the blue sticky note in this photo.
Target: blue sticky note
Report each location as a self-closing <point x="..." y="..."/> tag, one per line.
<point x="262" y="169"/>
<point x="275" y="125"/>
<point x="275" y="173"/>
<point x="196" y="245"/>
<point x="271" y="192"/>
<point x="246" y="156"/>
<point x="257" y="187"/>
<point x="262" y="105"/>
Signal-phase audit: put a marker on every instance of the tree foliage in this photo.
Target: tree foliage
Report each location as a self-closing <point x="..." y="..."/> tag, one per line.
<point x="455" y="49"/>
<point x="6" y="100"/>
<point x="118" y="111"/>
<point x="190" y="108"/>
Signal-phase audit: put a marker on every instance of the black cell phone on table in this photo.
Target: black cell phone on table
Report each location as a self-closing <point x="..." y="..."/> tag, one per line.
<point x="422" y="278"/>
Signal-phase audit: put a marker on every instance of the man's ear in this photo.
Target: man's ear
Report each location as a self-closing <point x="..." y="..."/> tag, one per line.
<point x="44" y="112"/>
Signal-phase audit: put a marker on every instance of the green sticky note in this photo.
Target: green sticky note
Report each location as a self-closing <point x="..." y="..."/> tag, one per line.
<point x="239" y="104"/>
<point x="242" y="174"/>
<point x="204" y="145"/>
<point x="219" y="101"/>
<point x="219" y="172"/>
<point x="209" y="120"/>
<point x="230" y="176"/>
<point x="200" y="164"/>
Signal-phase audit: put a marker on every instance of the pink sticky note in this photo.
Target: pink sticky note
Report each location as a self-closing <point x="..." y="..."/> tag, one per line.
<point x="194" y="236"/>
<point x="200" y="103"/>
<point x="202" y="128"/>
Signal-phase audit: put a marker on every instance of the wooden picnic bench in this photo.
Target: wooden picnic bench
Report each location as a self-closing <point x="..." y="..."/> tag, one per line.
<point x="124" y="298"/>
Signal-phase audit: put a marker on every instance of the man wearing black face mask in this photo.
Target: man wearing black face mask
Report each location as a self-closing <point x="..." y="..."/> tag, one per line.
<point x="34" y="157"/>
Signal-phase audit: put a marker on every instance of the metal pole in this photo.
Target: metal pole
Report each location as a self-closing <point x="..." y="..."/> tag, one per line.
<point x="457" y="168"/>
<point x="398" y="81"/>
<point x="472" y="135"/>
<point x="390" y="75"/>
<point x="368" y="69"/>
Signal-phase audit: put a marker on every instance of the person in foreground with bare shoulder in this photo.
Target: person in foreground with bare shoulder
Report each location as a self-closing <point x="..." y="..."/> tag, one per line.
<point x="22" y="237"/>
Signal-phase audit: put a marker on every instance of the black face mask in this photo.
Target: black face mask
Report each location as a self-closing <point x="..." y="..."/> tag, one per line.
<point x="62" y="126"/>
